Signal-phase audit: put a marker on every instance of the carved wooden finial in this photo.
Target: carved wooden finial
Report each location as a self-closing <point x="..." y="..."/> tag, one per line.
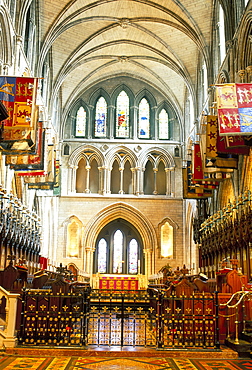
<point x="184" y="270"/>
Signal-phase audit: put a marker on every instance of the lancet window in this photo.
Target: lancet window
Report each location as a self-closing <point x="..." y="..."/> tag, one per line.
<point x="163" y="124"/>
<point x="81" y="117"/>
<point x="122" y="115"/>
<point x="144" y="119"/>
<point x="100" y="117"/>
<point x="118" y="250"/>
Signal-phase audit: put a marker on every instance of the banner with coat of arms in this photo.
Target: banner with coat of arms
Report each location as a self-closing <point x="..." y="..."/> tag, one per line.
<point x="18" y="95"/>
<point x="234" y="104"/>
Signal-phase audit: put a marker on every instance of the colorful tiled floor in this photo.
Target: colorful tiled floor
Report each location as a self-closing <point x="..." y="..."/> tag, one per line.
<point x="8" y="362"/>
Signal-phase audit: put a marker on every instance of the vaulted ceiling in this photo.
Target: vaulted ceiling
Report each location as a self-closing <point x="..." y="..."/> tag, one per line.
<point x="155" y="41"/>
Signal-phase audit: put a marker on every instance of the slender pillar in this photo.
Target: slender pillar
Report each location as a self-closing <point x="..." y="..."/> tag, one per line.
<point x="121" y="180"/>
<point x="88" y="168"/>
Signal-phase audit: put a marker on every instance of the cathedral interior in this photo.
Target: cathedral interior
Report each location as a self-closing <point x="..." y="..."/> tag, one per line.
<point x="125" y="172"/>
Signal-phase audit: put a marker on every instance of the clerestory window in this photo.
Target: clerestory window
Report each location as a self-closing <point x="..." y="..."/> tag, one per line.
<point x="122" y="115"/>
<point x="100" y="117"/>
<point x="163" y="125"/>
<point x="80" y="129"/>
<point x="144" y="119"/>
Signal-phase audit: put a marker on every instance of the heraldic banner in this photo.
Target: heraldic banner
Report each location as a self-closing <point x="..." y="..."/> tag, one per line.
<point x="18" y="94"/>
<point x="234" y="104"/>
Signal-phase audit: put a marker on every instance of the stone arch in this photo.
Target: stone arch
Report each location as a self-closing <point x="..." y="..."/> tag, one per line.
<point x="6" y="38"/>
<point x="88" y="151"/>
<point x="134" y="217"/>
<point x="122" y="154"/>
<point x="155" y="155"/>
<point x="244" y="43"/>
<point x="117" y="91"/>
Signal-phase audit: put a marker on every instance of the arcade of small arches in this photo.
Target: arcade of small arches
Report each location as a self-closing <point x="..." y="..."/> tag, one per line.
<point x="120" y="171"/>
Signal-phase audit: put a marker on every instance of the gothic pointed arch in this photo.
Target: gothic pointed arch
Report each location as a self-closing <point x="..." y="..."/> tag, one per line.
<point x="84" y="166"/>
<point x="5" y="39"/>
<point x="87" y="151"/>
<point x="155" y="154"/>
<point x="71" y="126"/>
<point x="244" y="43"/>
<point x="174" y="130"/>
<point x="130" y="214"/>
<point x="123" y="154"/>
<point x="145" y="127"/>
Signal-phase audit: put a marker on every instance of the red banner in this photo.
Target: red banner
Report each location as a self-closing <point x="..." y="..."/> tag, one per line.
<point x="234" y="103"/>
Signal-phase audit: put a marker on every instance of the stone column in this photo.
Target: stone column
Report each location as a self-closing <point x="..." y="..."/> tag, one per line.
<point x="111" y="121"/>
<point x="90" y="130"/>
<point x="121" y="180"/>
<point x="102" y="189"/>
<point x="172" y="180"/>
<point x="72" y="179"/>
<point x="87" y="190"/>
<point x="168" y="181"/>
<point x="155" y="170"/>
<point x="148" y="269"/>
<point x="89" y="261"/>
<point x="133" y="176"/>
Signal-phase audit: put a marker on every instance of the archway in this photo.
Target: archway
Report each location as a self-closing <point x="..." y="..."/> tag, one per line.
<point x="129" y="215"/>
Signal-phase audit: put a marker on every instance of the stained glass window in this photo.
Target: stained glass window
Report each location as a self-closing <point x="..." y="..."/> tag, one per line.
<point x="102" y="256"/>
<point x="100" y="117"/>
<point x="163" y="120"/>
<point x="118" y="252"/>
<point x="80" y="122"/>
<point x="144" y="119"/>
<point x="122" y="115"/>
<point x="133" y="257"/>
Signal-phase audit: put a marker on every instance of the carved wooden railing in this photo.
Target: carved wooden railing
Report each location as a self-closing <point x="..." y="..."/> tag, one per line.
<point x="8" y="311"/>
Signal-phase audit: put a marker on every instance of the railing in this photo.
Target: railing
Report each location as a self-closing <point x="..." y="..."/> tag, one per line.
<point x="119" y="318"/>
<point x="236" y="311"/>
<point x="8" y="310"/>
<point x="186" y="321"/>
